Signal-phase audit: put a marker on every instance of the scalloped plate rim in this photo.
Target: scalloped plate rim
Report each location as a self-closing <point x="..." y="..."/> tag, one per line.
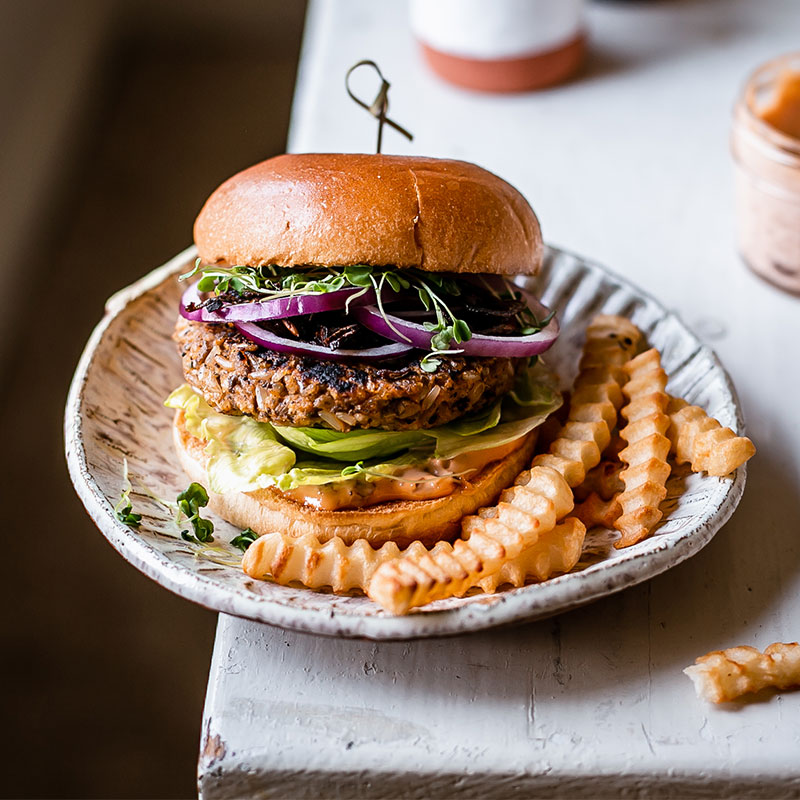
<point x="527" y="603"/>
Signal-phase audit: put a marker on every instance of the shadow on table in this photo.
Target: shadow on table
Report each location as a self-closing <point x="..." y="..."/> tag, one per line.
<point x="444" y="785"/>
<point x="667" y="31"/>
<point x="103" y="670"/>
<point x="637" y="639"/>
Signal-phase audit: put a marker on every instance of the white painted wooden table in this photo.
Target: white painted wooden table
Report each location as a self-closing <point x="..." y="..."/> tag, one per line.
<point x="630" y="166"/>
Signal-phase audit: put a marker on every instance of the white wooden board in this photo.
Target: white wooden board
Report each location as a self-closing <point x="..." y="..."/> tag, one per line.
<point x="632" y="159"/>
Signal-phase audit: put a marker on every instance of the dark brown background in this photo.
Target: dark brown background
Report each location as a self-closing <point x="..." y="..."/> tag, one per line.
<point x="118" y="119"/>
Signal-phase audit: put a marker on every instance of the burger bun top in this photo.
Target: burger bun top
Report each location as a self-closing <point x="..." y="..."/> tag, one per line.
<point x="336" y="209"/>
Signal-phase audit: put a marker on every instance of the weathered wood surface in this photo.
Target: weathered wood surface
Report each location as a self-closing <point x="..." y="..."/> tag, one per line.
<point x="631" y="166"/>
<point x="584" y="705"/>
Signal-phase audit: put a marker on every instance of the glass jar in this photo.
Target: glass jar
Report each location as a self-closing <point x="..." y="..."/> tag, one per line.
<point x="767" y="170"/>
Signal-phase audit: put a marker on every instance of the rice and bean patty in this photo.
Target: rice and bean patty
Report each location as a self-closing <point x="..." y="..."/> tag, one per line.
<point x="236" y="376"/>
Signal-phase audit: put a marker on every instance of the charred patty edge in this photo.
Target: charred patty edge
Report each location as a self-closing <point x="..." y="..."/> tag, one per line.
<point x="236" y="376"/>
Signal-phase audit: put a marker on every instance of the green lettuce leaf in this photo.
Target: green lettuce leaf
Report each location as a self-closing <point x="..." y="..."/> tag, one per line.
<point x="450" y="444"/>
<point x="350" y="446"/>
<point x="536" y="387"/>
<point x="534" y="395"/>
<point x="313" y="473"/>
<point x="360" y="445"/>
<point x="243" y="455"/>
<point x="469" y="426"/>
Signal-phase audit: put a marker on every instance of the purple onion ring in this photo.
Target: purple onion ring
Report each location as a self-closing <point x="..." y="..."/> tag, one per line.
<point x="272" y="341"/>
<point x="278" y="308"/>
<point x="414" y="334"/>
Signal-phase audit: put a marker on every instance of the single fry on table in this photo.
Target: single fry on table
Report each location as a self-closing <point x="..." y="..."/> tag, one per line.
<point x="724" y="675"/>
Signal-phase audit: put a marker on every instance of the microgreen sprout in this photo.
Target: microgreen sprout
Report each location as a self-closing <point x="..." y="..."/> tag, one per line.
<point x="244" y="539"/>
<point x="186" y="509"/>
<point x="430" y="288"/>
<point x="190" y="501"/>
<point x="269" y="280"/>
<point x="124" y="508"/>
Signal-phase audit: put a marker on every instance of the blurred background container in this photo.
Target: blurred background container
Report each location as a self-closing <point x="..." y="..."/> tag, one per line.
<point x="117" y="119"/>
<point x="502" y="46"/>
<point x="766" y="150"/>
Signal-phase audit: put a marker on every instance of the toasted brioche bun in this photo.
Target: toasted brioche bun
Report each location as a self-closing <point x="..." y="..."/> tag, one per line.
<point x="339" y="209"/>
<point x="402" y="521"/>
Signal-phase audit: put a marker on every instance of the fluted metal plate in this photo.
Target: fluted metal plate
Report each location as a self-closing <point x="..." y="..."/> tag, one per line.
<point x="115" y="410"/>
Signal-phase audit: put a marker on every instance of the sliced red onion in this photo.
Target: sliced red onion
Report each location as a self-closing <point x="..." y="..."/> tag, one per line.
<point x="271" y="341"/>
<point x="412" y="333"/>
<point x="278" y="308"/>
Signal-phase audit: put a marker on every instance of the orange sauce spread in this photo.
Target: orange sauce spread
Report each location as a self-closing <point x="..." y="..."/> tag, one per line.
<point x="435" y="478"/>
<point x="783" y="112"/>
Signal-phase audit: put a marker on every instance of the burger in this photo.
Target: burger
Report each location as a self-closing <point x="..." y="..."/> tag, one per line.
<point x="358" y="360"/>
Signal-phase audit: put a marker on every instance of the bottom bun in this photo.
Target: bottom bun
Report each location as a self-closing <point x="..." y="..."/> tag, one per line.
<point x="399" y="521"/>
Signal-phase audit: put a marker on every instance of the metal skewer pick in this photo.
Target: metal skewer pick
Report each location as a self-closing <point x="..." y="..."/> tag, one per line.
<point x="380" y="105"/>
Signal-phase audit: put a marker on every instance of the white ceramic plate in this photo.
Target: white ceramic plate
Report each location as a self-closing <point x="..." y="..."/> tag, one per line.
<point x="115" y="411"/>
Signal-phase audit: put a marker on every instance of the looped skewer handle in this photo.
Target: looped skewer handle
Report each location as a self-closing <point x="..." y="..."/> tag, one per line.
<point x="380" y="105"/>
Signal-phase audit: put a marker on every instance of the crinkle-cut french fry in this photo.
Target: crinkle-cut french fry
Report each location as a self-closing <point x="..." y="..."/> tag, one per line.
<point x="703" y="442"/>
<point x="316" y="564"/>
<point x="496" y="535"/>
<point x="603" y="480"/>
<point x="646" y="454"/>
<point x="594" y="512"/>
<point x="596" y="397"/>
<point x="572" y="471"/>
<point x="554" y="553"/>
<point x="724" y="675"/>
